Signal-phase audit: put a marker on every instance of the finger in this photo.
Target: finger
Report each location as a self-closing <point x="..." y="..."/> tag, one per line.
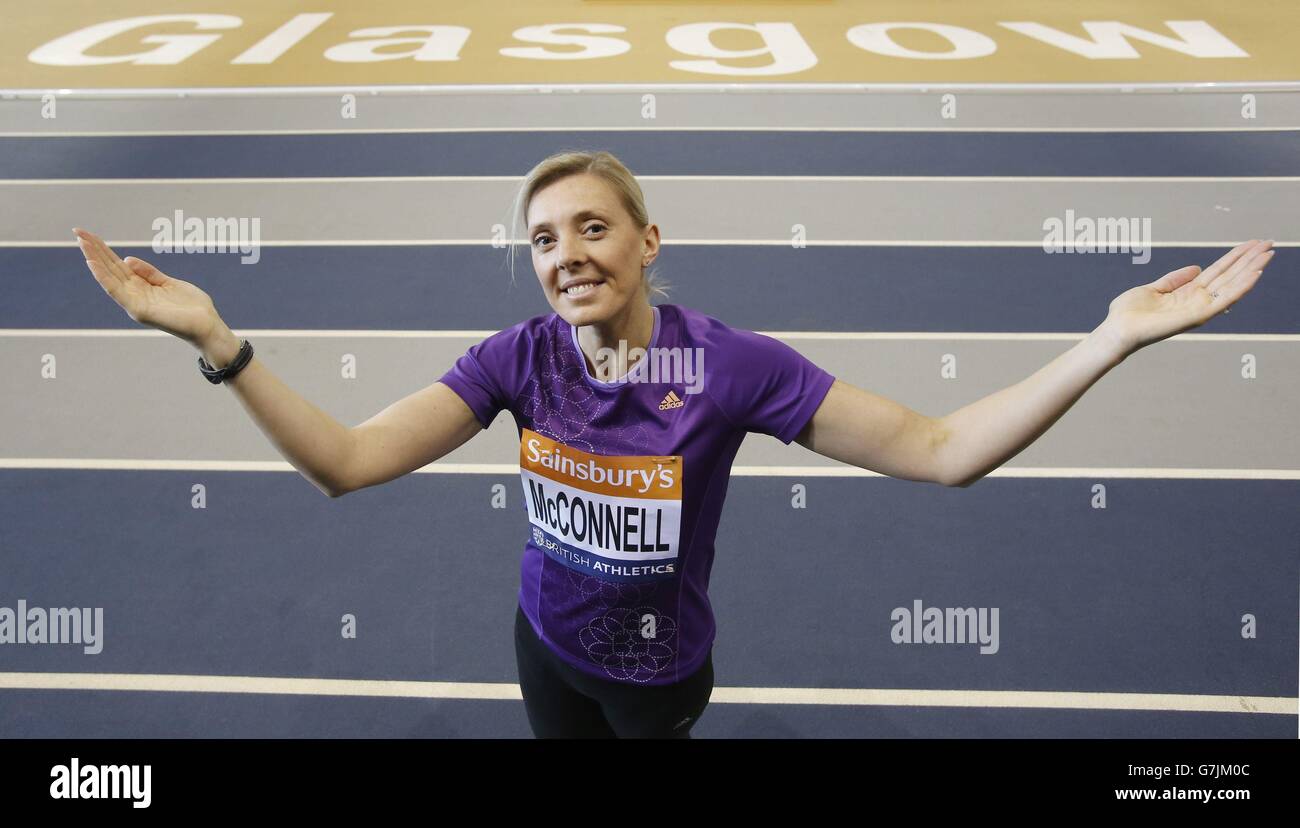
<point x="109" y="262"/>
<point x="93" y="257"/>
<point x="1225" y="262"/>
<point x="1233" y="290"/>
<point x="1246" y="264"/>
<point x="1249" y="260"/>
<point x="145" y="271"/>
<point x="105" y="283"/>
<point x="1176" y="278"/>
<point x="109" y="258"/>
<point x="93" y="247"/>
<point x="109" y="283"/>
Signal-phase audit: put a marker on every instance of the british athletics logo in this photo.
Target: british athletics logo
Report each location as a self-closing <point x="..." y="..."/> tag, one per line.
<point x="614" y="517"/>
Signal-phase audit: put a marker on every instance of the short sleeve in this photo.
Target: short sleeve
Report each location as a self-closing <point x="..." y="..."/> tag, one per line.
<point x="764" y="385"/>
<point x="487" y="376"/>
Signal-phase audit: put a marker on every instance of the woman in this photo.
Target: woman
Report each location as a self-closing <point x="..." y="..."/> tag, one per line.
<point x="625" y="461"/>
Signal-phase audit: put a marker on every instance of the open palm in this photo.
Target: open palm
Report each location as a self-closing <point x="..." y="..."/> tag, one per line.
<point x="1187" y="297"/>
<point x="148" y="295"/>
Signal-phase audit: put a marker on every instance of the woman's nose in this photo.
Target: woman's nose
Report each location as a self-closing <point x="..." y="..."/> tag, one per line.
<point x="569" y="251"/>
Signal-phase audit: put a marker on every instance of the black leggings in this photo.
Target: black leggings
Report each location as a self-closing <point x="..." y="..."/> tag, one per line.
<point x="563" y="702"/>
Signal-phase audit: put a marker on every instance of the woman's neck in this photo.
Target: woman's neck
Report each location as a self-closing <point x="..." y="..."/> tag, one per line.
<point x="633" y="327"/>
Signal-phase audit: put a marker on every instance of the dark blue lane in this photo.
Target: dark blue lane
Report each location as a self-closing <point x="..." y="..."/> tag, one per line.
<point x="755" y="287"/>
<point x="1147" y="595"/>
<point x="658" y="153"/>
<point x="88" y="715"/>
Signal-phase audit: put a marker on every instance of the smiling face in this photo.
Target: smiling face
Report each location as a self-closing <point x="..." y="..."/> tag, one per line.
<point x="587" y="250"/>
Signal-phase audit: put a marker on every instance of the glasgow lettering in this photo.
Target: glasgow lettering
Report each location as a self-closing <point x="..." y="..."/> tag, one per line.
<point x="172" y="39"/>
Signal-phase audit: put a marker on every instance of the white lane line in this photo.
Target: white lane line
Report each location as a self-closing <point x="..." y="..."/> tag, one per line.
<point x="1151" y="473"/>
<point x="345" y="179"/>
<point x="666" y="243"/>
<point x="903" y="336"/>
<point x="1194" y="703"/>
<point x="145" y="133"/>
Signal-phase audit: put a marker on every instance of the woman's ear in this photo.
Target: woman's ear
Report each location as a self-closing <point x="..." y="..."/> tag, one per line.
<point x="651" y="246"/>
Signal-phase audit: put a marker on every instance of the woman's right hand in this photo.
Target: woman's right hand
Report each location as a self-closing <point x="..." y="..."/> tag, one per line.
<point x="148" y="295"/>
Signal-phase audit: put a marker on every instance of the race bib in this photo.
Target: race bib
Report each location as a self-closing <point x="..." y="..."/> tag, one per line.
<point x="618" y="518"/>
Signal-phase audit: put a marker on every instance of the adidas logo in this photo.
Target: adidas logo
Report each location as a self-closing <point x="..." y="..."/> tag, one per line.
<point x="671" y="401"/>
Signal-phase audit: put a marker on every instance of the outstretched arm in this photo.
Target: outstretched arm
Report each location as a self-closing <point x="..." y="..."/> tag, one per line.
<point x="869" y="431"/>
<point x="873" y="432"/>
<point x="985" y="434"/>
<point x="405" y="436"/>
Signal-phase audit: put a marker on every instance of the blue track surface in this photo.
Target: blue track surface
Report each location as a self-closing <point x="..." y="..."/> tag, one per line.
<point x="958" y="289"/>
<point x="803" y="597"/>
<point x="658" y="153"/>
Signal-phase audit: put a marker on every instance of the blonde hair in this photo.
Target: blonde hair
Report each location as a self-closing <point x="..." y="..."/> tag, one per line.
<point x="574" y="162"/>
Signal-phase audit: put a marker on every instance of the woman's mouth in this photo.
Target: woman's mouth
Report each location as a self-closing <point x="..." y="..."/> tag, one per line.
<point x="579" y="290"/>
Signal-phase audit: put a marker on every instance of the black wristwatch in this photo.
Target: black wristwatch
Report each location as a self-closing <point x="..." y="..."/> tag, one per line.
<point x="218" y="376"/>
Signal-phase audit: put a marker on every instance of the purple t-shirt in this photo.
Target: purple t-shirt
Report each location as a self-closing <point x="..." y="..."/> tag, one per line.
<point x="624" y="481"/>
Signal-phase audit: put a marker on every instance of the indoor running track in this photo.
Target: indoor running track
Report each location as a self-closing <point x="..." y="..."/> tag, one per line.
<point x="1114" y="622"/>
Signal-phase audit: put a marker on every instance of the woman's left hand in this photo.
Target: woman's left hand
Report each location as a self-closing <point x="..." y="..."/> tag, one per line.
<point x="1187" y="297"/>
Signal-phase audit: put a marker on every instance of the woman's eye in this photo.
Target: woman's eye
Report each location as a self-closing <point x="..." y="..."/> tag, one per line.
<point x="542" y="240"/>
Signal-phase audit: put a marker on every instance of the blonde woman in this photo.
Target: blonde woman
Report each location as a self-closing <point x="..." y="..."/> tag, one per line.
<point x="625" y="453"/>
